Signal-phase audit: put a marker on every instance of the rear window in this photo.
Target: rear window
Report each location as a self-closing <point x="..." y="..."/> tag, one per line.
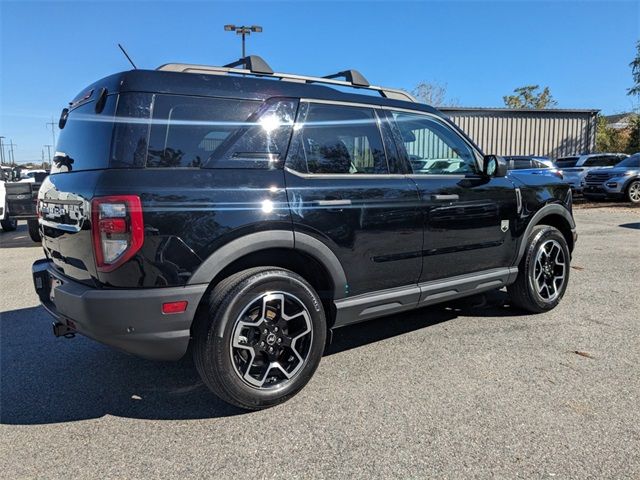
<point x="602" y="161"/>
<point x="85" y="140"/>
<point x="567" y="162"/>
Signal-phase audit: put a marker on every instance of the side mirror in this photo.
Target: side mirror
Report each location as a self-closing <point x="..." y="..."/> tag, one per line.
<point x="494" y="166"/>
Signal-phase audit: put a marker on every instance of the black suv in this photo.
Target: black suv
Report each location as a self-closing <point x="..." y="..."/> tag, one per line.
<point x="243" y="214"/>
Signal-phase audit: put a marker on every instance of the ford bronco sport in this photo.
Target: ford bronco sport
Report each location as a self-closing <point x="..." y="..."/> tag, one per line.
<point x="243" y="214"/>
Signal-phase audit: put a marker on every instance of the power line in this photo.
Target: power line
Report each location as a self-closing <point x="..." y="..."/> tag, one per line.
<point x="53" y="129"/>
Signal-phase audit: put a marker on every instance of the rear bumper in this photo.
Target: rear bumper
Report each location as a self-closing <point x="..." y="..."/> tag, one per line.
<point x="131" y="320"/>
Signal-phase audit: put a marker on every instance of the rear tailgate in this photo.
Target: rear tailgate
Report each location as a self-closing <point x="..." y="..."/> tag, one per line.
<point x="65" y="216"/>
<point x="21" y="199"/>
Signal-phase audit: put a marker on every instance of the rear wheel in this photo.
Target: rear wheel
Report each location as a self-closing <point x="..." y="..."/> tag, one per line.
<point x="543" y="272"/>
<point x="261" y="338"/>
<point x="9" y="224"/>
<point x="34" y="230"/>
<point x="633" y="192"/>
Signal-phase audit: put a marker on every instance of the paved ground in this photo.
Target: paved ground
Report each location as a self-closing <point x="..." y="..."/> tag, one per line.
<point x="450" y="392"/>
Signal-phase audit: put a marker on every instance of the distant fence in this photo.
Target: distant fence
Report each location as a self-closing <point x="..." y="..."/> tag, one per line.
<point x="501" y="131"/>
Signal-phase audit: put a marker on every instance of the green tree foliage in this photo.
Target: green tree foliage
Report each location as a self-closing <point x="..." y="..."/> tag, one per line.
<point x="529" y="96"/>
<point x="633" y="143"/>
<point x="635" y="72"/>
<point x="610" y="139"/>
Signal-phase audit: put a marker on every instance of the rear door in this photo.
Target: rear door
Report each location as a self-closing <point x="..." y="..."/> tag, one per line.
<point x="345" y="189"/>
<point x="468" y="217"/>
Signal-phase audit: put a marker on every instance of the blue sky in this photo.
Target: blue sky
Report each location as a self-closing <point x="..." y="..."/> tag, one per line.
<point x="480" y="50"/>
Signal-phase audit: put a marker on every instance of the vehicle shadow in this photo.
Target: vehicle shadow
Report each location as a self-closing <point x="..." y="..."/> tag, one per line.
<point x="635" y="226"/>
<point x="19" y="238"/>
<point x="44" y="379"/>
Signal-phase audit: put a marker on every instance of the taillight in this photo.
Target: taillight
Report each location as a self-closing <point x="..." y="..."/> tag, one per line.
<point x="118" y="229"/>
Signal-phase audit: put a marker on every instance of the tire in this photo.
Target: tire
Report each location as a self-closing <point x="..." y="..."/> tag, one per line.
<point x="232" y="339"/>
<point x="9" y="224"/>
<point x="633" y="192"/>
<point x="542" y="280"/>
<point x="34" y="230"/>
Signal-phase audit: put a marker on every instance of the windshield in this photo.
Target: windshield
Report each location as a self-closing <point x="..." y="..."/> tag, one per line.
<point x="631" y="162"/>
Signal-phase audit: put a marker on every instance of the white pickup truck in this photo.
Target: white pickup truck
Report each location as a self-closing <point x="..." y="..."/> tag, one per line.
<point x="7" y="223"/>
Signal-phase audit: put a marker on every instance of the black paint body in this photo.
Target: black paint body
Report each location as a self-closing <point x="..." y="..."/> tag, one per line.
<point x="392" y="232"/>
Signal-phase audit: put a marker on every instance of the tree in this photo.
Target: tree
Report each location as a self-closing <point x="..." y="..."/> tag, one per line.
<point x="434" y="94"/>
<point x="610" y="139"/>
<point x="635" y="72"/>
<point x="633" y="143"/>
<point x="529" y="97"/>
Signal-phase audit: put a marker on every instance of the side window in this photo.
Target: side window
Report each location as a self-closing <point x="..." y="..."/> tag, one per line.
<point x="337" y="139"/>
<point x="522" y="164"/>
<point x="433" y="147"/>
<point x="187" y="131"/>
<point x="599" y="161"/>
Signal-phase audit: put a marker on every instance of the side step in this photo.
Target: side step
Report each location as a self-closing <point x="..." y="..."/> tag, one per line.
<point x="62" y="330"/>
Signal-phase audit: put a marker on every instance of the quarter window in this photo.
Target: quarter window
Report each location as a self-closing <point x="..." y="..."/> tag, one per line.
<point x="433" y="147"/>
<point x="337" y="139"/>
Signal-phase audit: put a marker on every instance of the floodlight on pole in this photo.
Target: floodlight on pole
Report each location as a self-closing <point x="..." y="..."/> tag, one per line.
<point x="243" y="30"/>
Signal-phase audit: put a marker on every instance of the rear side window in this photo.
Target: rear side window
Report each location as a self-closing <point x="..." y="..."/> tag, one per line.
<point x="336" y="139"/>
<point x="567" y="162"/>
<point x="85" y="141"/>
<point x="187" y="130"/>
<point x="521" y="164"/>
<point x="217" y="132"/>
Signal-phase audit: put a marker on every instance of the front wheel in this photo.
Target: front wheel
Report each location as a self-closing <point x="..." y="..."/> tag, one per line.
<point x="633" y="192"/>
<point x="34" y="230"/>
<point x="543" y="273"/>
<point x="261" y="337"/>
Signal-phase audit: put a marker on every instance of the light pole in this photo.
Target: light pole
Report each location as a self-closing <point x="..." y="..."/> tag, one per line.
<point x="13" y="158"/>
<point x="49" y="152"/>
<point x="53" y="129"/>
<point x="244" y="31"/>
<point x="1" y="151"/>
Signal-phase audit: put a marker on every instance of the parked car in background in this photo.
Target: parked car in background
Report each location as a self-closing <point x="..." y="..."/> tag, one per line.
<point x="33" y="175"/>
<point x="533" y="164"/>
<point x="576" y="167"/>
<point x="7" y="223"/>
<point x="621" y="181"/>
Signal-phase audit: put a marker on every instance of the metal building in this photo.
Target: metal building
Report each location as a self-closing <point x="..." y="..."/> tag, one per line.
<point x="550" y="132"/>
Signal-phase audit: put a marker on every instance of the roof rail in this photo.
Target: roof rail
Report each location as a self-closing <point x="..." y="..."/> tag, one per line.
<point x="255" y="65"/>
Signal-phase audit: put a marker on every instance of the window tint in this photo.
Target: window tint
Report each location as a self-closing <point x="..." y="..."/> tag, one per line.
<point x="337" y="139"/>
<point x="567" y="162"/>
<point x="433" y="147"/>
<point x="522" y="163"/>
<point x="631" y="162"/>
<point x="85" y="141"/>
<point x="186" y="131"/>
<point x="600" y="161"/>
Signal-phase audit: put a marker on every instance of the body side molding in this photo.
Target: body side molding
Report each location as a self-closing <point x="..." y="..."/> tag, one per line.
<point x="394" y="300"/>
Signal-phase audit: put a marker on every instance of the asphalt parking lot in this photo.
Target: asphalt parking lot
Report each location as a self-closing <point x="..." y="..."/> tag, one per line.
<point x="473" y="389"/>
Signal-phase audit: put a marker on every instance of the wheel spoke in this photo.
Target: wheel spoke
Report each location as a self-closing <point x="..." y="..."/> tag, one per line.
<point x="272" y="349"/>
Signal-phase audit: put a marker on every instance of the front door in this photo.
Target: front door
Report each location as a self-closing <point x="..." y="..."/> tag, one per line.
<point x="344" y="189"/>
<point x="468" y="217"/>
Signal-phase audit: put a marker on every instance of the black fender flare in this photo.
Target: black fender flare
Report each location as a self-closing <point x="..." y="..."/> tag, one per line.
<point x="549" y="209"/>
<point x="255" y="242"/>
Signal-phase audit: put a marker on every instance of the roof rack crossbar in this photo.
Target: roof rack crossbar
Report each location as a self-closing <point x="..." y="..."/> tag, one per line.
<point x="351" y="76"/>
<point x="254" y="65"/>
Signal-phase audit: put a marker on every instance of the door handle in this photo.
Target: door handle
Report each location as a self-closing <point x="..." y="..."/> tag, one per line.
<point x="450" y="198"/>
<point x="333" y="203"/>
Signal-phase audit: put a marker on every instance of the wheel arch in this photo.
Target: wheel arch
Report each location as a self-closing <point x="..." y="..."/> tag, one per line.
<point x="304" y="255"/>
<point x="553" y="215"/>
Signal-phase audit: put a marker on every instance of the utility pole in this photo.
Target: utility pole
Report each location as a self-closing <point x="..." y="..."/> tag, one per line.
<point x="244" y="31"/>
<point x="49" y="151"/>
<point x="53" y="130"/>
<point x="13" y="158"/>
<point x="1" y="151"/>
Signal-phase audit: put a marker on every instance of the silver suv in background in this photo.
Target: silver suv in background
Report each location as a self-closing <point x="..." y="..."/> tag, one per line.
<point x="621" y="181"/>
<point x="576" y="167"/>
